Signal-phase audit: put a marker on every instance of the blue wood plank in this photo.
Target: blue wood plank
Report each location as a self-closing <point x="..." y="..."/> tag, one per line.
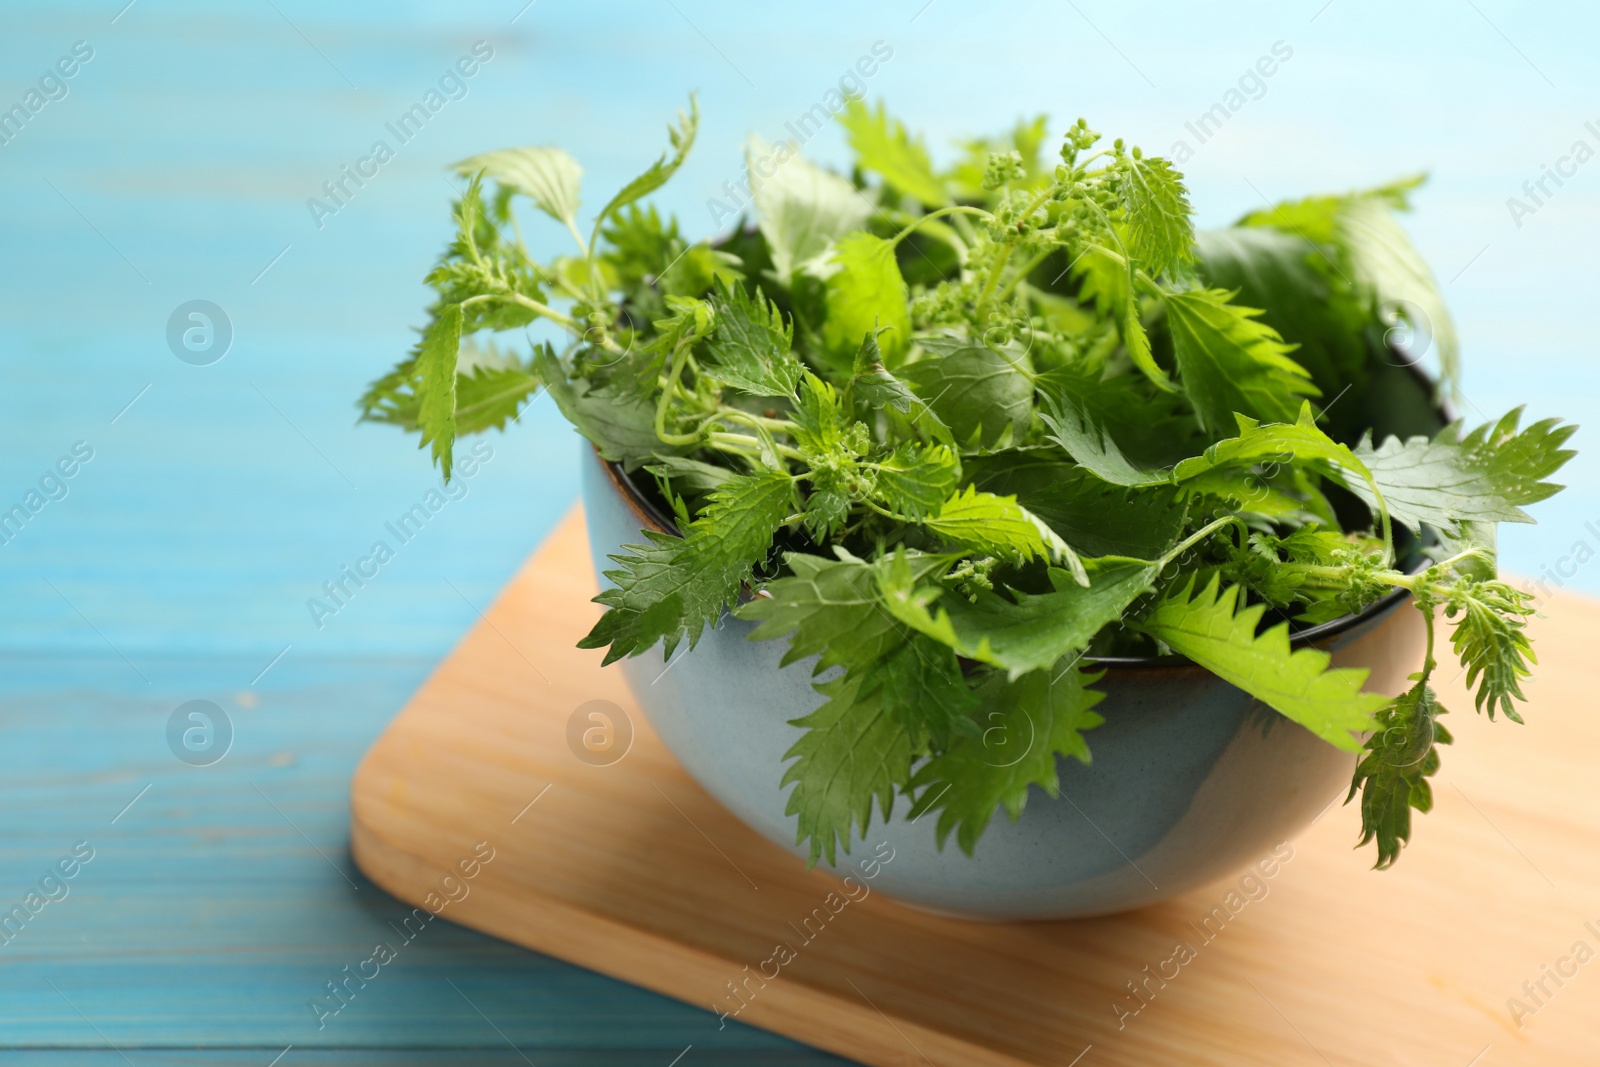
<point x="180" y="561"/>
<point x="220" y="900"/>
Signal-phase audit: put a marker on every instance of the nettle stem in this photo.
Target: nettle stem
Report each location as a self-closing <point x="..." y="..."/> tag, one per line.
<point x="679" y="355"/>
<point x="1003" y="260"/>
<point x="1200" y="535"/>
<point x="957" y="209"/>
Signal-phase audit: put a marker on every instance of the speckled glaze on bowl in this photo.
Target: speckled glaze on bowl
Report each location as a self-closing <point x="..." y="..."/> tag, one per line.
<point x="1192" y="779"/>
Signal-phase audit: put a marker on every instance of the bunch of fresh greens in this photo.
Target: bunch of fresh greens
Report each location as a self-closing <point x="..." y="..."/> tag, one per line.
<point x="963" y="432"/>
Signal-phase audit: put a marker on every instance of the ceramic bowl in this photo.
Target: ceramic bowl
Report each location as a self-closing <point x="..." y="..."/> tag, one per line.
<point x="1191" y="780"/>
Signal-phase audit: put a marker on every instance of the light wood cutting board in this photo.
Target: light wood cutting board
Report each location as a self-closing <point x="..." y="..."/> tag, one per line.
<point x="632" y="870"/>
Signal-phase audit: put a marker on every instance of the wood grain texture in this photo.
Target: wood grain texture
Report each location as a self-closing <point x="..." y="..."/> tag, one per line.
<point x="632" y="870"/>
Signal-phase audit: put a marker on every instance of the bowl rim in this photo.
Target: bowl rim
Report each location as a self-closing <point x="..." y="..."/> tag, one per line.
<point x="650" y="515"/>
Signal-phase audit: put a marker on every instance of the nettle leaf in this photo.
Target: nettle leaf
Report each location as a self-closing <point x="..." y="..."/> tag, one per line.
<point x="1160" y="227"/>
<point x="682" y="138"/>
<point x="873" y="385"/>
<point x="915" y="481"/>
<point x="883" y="145"/>
<point x="489" y="397"/>
<point x="1401" y="755"/>
<point x="436" y="383"/>
<point x="1301" y="441"/>
<point x="864" y="295"/>
<point x="999" y="526"/>
<point x="984" y="394"/>
<point x="1304" y="297"/>
<point x="1102" y="277"/>
<point x="1483" y="477"/>
<point x="1211" y="628"/>
<point x="1383" y="259"/>
<point x="1491" y="642"/>
<point x="853" y="752"/>
<point x="1027" y="724"/>
<point x="1372" y="249"/>
<point x="923" y="687"/>
<point x="547" y="176"/>
<point x="819" y="417"/>
<point x="1230" y="362"/>
<point x="1096" y="518"/>
<point x="621" y="427"/>
<point x="1091" y="446"/>
<point x="800" y="208"/>
<point x="490" y="389"/>
<point x="832" y="608"/>
<point x="1027" y="632"/>
<point x="670" y="588"/>
<point x="1105" y="280"/>
<point x="690" y="475"/>
<point x="750" y="347"/>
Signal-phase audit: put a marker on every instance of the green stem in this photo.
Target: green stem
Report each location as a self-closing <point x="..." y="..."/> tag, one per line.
<point x="542" y="310"/>
<point x="961" y="209"/>
<point x="679" y="354"/>
<point x="1199" y="535"/>
<point x="737" y="442"/>
<point x="998" y="269"/>
<point x="1426" y="607"/>
<point x="755" y="421"/>
<point x="1026" y="270"/>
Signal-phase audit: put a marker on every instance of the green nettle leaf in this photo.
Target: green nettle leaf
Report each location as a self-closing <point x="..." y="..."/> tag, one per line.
<point x="828" y="504"/>
<point x="1212" y="629"/>
<point x="915" y="481"/>
<point x="621" y="427"/>
<point x="1300" y="441"/>
<point x="1483" y="477"/>
<point x="490" y="389"/>
<point x="691" y="475"/>
<point x="852" y="753"/>
<point x="1232" y="363"/>
<point x="489" y="397"/>
<point x="1096" y="518"/>
<point x="1104" y="280"/>
<point x="1091" y="447"/>
<point x="1372" y="249"/>
<point x="832" y="608"/>
<point x="984" y="394"/>
<point x="1402" y="754"/>
<point x="670" y="588"/>
<point x="1029" y="632"/>
<point x="1160" y="230"/>
<point x="436" y="383"/>
<point x="999" y="526"/>
<point x="1102" y="277"/>
<point x="801" y="209"/>
<point x="864" y="295"/>
<point x="749" y="349"/>
<point x="1384" y="260"/>
<point x="872" y="384"/>
<point x="682" y="137"/>
<point x="883" y="145"/>
<point x="923" y="687"/>
<point x="547" y="176"/>
<point x="1491" y="643"/>
<point x="1027" y="724"/>
<point x="1305" y="300"/>
<point x="819" y="417"/>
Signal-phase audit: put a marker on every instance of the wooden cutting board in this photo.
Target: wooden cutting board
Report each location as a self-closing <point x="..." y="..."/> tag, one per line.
<point x="630" y="869"/>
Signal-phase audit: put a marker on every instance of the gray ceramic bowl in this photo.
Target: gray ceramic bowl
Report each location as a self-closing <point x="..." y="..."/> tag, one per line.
<point x="1192" y="779"/>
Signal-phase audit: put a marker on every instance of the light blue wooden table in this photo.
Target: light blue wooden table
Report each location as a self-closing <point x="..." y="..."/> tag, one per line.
<point x="175" y="164"/>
